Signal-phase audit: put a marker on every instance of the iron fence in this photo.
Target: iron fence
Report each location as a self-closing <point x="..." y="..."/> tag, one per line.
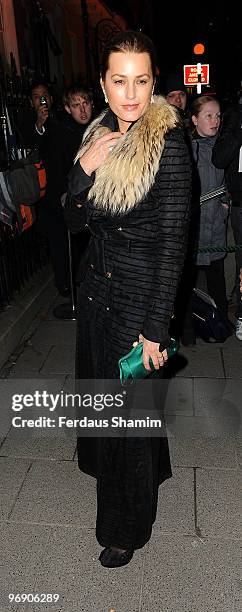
<point x="23" y="254"/>
<point x="21" y="257"/>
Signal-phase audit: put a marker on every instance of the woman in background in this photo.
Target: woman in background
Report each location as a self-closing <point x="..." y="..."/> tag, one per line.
<point x="205" y="121"/>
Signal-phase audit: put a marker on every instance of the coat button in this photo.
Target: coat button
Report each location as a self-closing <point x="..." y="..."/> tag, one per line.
<point x="89" y="298"/>
<point x="86" y="225"/>
<point x="107" y="308"/>
<point x="120" y="229"/>
<point x="108" y="274"/>
<point x="91" y="266"/>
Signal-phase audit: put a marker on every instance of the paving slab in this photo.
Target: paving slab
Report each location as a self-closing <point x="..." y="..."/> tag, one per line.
<point x="188" y="574"/>
<point x="55" y="448"/>
<point x="29" y="385"/>
<point x="36" y="375"/>
<point x="237" y="596"/>
<point x="87" y="586"/>
<point x="209" y="394"/>
<point x="40" y="395"/>
<point x="175" y="510"/>
<point x="231" y="342"/>
<point x="179" y="397"/>
<point x="60" y="359"/>
<point x="203" y="427"/>
<point x="22" y="551"/>
<point x="55" y="333"/>
<point x="57" y="493"/>
<point x="233" y="361"/>
<point x="16" y="319"/>
<point x="218" y="496"/>
<point x="201" y="361"/>
<point x="201" y="452"/>
<point x="6" y="413"/>
<point x="22" y="548"/>
<point x="31" y="360"/>
<point x="221" y="399"/>
<point x="12" y="475"/>
<point x="65" y="560"/>
<point x="238" y="451"/>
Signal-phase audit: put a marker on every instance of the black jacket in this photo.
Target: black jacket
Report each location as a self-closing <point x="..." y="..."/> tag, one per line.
<point x="226" y="151"/>
<point x="143" y="249"/>
<point x="59" y="147"/>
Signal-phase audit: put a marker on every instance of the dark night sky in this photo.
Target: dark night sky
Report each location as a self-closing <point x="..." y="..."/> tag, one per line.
<point x="177" y="27"/>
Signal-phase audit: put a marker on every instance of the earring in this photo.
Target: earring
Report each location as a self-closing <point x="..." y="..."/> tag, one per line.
<point x="105" y="96"/>
<point x="152" y="97"/>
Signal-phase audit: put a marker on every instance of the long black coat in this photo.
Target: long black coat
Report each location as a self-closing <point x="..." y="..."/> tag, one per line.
<point x="128" y="286"/>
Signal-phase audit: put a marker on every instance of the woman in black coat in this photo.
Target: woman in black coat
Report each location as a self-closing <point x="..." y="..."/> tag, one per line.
<point x="131" y="186"/>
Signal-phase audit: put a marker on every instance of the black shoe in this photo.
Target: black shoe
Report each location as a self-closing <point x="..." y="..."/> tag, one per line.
<point x="114" y="558"/>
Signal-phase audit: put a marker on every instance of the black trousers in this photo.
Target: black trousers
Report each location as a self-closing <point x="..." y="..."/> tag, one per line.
<point x="216" y="288"/>
<point x="58" y="244"/>
<point x="236" y="222"/>
<point x="216" y="284"/>
<point x="51" y="224"/>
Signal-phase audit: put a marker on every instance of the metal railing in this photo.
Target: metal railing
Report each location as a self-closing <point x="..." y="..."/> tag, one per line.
<point x="23" y="254"/>
<point x="21" y="257"/>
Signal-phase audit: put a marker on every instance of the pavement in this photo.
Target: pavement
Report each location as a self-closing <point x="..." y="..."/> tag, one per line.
<point x="192" y="561"/>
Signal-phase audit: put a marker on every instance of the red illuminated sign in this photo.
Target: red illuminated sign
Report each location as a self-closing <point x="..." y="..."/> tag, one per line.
<point x="191" y="76"/>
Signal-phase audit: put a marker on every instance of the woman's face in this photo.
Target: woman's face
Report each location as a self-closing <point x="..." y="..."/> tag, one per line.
<point x="208" y="120"/>
<point x="128" y="85"/>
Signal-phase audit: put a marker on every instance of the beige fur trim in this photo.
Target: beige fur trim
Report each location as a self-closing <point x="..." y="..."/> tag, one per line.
<point x="128" y="173"/>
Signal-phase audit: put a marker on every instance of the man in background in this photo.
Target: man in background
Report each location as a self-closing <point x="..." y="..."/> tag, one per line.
<point x="63" y="138"/>
<point x="57" y="138"/>
<point x="33" y="123"/>
<point x="175" y="91"/>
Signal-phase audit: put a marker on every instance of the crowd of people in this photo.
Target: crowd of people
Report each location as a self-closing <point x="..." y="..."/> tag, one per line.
<point x="215" y="145"/>
<point x="154" y="182"/>
<point x="57" y="136"/>
<point x="216" y="179"/>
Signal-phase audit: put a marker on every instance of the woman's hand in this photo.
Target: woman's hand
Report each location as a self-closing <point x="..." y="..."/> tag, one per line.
<point x="151" y="350"/>
<point x="98" y="152"/>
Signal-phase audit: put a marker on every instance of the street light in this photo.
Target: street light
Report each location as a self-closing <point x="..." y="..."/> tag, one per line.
<point x="199" y="49"/>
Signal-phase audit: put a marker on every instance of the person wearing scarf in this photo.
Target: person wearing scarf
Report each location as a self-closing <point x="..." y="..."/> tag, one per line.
<point x="130" y="185"/>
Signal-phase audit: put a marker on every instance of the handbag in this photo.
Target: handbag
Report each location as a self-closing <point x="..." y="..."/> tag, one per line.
<point x="8" y="212"/>
<point x="21" y="186"/>
<point x="131" y="366"/>
<point x="27" y="180"/>
<point x="209" y="322"/>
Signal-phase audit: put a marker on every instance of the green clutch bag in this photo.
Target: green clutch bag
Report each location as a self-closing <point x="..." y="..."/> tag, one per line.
<point x="131" y="365"/>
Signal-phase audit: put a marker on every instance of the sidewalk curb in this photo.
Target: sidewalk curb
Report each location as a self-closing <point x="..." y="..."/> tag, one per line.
<point x="15" y="320"/>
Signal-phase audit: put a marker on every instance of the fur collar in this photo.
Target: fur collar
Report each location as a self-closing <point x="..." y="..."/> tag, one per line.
<point x="128" y="173"/>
